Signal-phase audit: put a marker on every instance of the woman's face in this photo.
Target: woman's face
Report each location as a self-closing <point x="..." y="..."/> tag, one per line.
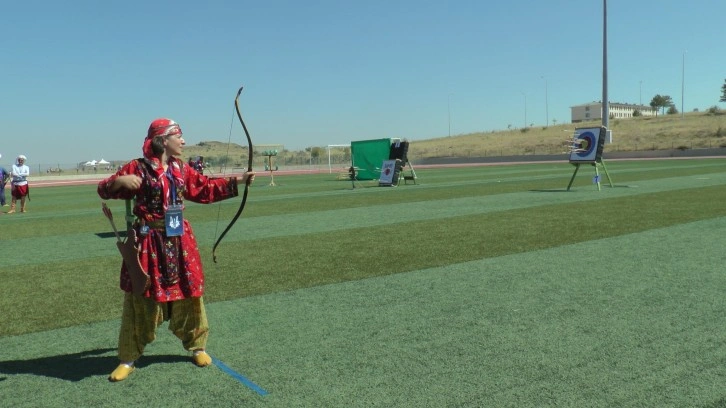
<point x="173" y="144"/>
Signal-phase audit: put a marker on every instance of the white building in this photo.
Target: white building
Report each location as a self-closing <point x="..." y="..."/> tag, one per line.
<point x="593" y="111"/>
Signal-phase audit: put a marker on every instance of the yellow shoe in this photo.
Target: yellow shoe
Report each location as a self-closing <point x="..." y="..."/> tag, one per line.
<point x="201" y="358"/>
<point x="121" y="372"/>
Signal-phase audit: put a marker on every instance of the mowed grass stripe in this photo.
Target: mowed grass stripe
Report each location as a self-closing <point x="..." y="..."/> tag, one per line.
<point x="285" y="263"/>
<point x="634" y="320"/>
<point x="22" y="251"/>
<point x="79" y="206"/>
<point x="337" y="256"/>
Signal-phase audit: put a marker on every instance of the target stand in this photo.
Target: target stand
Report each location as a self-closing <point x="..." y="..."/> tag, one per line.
<point x="268" y="164"/>
<point x="586" y="147"/>
<point x="353" y="175"/>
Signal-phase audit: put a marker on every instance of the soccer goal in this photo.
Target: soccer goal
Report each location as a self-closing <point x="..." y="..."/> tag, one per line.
<point x="338" y="156"/>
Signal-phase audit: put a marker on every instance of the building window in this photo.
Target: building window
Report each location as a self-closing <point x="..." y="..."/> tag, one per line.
<point x="587" y="115"/>
<point x="587" y="109"/>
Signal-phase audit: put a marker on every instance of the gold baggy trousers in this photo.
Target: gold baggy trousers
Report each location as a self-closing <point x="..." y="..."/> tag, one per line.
<point x="142" y="316"/>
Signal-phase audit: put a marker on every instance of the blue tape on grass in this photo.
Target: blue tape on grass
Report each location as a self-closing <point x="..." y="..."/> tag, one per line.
<point x="239" y="377"/>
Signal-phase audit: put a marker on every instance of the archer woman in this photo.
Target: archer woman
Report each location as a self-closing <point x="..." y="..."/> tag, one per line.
<point x="160" y="182"/>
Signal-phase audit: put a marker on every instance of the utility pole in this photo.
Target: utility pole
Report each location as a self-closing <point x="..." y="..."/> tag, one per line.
<point x="547" y="108"/>
<point x="683" y="82"/>
<point x="448" y="106"/>
<point x="605" y="103"/>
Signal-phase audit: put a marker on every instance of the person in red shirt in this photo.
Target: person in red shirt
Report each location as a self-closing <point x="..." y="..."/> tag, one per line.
<point x="159" y="183"/>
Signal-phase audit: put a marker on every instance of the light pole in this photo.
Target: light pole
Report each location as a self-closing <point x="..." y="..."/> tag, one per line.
<point x="605" y="102"/>
<point x="683" y="81"/>
<point x="448" y="106"/>
<point x="547" y="107"/>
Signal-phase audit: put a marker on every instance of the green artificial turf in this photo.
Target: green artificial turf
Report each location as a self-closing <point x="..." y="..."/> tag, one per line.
<point x="483" y="286"/>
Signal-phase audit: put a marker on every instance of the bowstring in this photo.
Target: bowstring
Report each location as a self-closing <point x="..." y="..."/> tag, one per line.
<point x="224" y="171"/>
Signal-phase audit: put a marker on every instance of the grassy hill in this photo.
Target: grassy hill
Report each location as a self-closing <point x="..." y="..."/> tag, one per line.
<point x="693" y="130"/>
<point x="690" y="131"/>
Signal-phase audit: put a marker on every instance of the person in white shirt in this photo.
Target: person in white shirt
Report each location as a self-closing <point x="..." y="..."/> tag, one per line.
<point x="19" y="183"/>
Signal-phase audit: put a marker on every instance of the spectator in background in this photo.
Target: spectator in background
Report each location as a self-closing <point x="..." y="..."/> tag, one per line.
<point x="19" y="183"/>
<point x="4" y="177"/>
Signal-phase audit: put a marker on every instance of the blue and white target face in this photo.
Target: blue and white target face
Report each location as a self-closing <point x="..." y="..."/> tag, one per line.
<point x="584" y="145"/>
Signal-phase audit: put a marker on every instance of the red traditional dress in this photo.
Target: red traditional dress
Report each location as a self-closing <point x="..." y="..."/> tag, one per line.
<point x="173" y="263"/>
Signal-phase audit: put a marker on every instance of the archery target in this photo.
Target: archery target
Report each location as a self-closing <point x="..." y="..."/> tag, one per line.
<point x="587" y="145"/>
<point x="388" y="169"/>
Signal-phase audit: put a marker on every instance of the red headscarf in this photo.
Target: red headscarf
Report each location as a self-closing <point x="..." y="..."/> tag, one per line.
<point x="158" y="128"/>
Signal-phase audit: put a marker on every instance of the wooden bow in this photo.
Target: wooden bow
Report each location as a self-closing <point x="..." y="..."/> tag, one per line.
<point x="247" y="182"/>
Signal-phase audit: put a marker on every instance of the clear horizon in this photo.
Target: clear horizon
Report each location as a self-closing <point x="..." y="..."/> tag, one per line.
<point x="83" y="80"/>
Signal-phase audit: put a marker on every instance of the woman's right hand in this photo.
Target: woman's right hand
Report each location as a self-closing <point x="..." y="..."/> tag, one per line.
<point x="127" y="182"/>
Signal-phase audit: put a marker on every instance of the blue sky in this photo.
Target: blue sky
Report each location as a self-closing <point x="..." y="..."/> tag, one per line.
<point x="82" y="80"/>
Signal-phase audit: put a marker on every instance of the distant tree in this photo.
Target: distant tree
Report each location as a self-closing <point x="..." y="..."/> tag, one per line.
<point x="509" y="126"/>
<point x="636" y="113"/>
<point x="672" y="110"/>
<point x="668" y="102"/>
<point x="723" y="92"/>
<point x="554" y="122"/>
<point x="316" y="152"/>
<point x="661" y="102"/>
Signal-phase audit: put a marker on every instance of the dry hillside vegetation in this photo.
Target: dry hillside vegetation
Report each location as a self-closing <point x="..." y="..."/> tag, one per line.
<point x="691" y="131"/>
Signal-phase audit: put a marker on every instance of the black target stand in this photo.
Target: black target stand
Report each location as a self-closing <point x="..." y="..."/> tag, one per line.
<point x="586" y="147"/>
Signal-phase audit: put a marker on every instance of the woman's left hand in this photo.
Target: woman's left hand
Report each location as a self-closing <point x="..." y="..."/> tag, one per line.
<point x="247" y="177"/>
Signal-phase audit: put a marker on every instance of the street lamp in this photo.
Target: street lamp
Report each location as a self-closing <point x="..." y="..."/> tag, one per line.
<point x="448" y="106"/>
<point x="547" y="108"/>
<point x="605" y="101"/>
<point x="683" y="81"/>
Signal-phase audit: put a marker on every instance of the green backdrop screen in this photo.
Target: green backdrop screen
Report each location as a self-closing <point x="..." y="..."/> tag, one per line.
<point x="368" y="156"/>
